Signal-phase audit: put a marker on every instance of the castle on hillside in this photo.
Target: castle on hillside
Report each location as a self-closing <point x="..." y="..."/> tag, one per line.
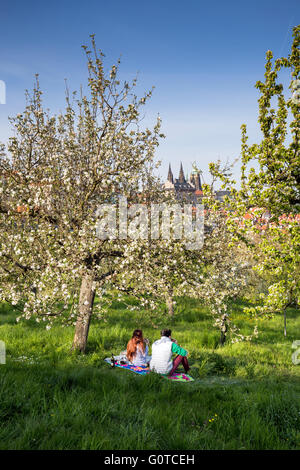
<point x="188" y="191"/>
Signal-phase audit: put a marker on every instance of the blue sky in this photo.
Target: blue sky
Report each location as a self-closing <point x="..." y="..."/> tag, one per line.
<point x="202" y="57"/>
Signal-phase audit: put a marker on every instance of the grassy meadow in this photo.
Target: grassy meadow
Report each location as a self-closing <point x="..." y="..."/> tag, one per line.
<point x="245" y="395"/>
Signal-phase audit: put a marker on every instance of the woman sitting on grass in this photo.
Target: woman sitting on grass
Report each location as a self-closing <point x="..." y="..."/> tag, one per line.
<point x="137" y="349"/>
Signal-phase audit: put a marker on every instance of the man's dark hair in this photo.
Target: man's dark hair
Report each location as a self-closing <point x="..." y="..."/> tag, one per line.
<point x="166" y="332"/>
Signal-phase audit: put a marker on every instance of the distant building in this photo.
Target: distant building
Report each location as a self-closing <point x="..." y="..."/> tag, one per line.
<point x="188" y="191"/>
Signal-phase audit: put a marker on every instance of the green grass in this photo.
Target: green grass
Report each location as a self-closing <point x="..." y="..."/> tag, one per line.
<point x="51" y="398"/>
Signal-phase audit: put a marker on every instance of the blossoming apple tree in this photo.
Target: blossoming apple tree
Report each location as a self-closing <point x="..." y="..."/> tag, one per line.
<point x="54" y="173"/>
<point x="272" y="185"/>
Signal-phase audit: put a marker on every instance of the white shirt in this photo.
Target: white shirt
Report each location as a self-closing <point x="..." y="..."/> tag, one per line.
<point x="141" y="357"/>
<point x="161" y="360"/>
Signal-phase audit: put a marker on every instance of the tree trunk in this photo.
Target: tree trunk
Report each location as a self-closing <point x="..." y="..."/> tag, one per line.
<point x="170" y="303"/>
<point x="284" y="321"/>
<point x="86" y="302"/>
<point x="224" y="328"/>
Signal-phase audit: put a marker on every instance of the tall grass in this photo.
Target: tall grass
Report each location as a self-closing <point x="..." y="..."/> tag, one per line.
<point x="245" y="395"/>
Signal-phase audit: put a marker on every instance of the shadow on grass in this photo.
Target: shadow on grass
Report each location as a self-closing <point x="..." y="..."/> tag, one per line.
<point x="8" y="315"/>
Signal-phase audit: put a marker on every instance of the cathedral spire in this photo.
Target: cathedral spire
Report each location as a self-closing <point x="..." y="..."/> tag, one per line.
<point x="170" y="174"/>
<point x="181" y="178"/>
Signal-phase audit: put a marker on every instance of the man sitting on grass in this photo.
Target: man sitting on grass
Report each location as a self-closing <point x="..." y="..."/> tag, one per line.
<point x="162" y="351"/>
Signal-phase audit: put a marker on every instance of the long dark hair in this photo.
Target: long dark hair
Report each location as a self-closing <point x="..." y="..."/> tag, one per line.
<point x="136" y="339"/>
